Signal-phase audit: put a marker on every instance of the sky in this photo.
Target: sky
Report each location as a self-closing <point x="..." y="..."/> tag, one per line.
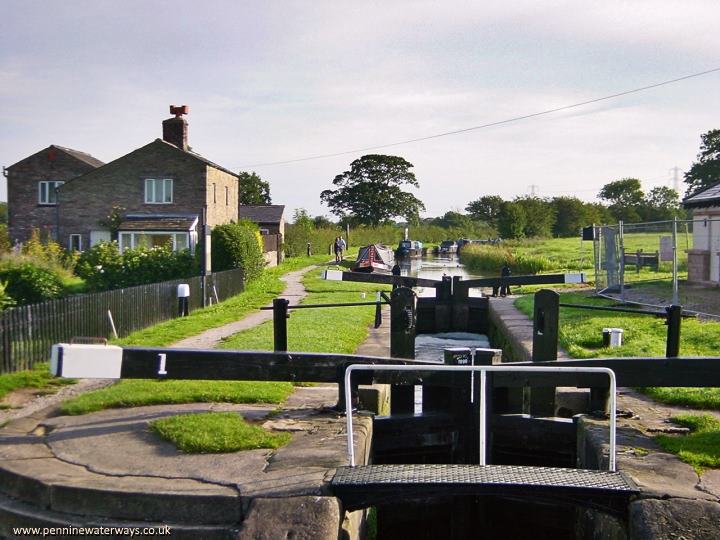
<point x="286" y="80"/>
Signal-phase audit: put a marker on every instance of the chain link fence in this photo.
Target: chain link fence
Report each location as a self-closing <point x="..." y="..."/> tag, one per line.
<point x="657" y="264"/>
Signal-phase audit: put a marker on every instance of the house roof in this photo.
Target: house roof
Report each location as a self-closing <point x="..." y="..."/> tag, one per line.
<point x="82" y="156"/>
<point x="198" y="157"/>
<point x="269" y="213"/>
<point x="707" y="197"/>
<point x="158" y="222"/>
<point x="77" y="154"/>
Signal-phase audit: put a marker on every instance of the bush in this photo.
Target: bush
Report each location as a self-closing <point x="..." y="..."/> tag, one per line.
<point x="104" y="267"/>
<point x="28" y="283"/>
<point x="238" y="245"/>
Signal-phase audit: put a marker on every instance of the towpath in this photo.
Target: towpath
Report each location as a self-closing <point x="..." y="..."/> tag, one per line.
<point x="294" y="291"/>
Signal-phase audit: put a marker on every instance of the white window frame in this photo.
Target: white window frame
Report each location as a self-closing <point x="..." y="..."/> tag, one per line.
<point x="79" y="242"/>
<point x="189" y="243"/>
<point x="50" y="191"/>
<point x="153" y="195"/>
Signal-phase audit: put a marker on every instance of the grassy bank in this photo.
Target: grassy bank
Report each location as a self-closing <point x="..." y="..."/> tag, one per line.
<point x="257" y="293"/>
<point x="39" y="378"/>
<point x="580" y="334"/>
<point x="314" y="330"/>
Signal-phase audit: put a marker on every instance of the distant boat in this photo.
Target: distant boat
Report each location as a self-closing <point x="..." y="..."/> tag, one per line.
<point x="412" y="249"/>
<point x="374" y="258"/>
<point x="448" y="247"/>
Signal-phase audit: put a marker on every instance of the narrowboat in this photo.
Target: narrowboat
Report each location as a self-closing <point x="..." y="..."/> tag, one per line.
<point x="411" y="249"/>
<point x="448" y="247"/>
<point x="374" y="258"/>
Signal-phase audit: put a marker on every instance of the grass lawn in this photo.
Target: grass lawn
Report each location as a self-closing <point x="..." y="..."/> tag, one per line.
<point x="39" y="377"/>
<point x="581" y="335"/>
<point x="337" y="330"/>
<point x="215" y="433"/>
<point x="581" y="330"/>
<point x="701" y="447"/>
<point x="258" y="293"/>
<point x="139" y="392"/>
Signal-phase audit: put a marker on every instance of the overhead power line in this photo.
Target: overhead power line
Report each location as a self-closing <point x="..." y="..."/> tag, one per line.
<point x="483" y="126"/>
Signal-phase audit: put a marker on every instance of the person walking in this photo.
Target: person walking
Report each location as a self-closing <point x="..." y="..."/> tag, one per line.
<point x="336" y="248"/>
<point x="343" y="247"/>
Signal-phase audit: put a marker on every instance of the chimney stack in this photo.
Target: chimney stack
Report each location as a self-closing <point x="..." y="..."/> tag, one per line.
<point x="175" y="130"/>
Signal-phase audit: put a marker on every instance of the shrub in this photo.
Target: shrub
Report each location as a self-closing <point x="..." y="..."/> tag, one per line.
<point x="28" y="283"/>
<point x="104" y="267"/>
<point x="238" y="245"/>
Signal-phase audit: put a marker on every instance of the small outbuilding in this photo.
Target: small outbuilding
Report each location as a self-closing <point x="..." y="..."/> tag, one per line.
<point x="270" y="219"/>
<point x="704" y="257"/>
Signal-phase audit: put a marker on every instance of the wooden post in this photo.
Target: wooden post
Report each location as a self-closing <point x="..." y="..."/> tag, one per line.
<point x="443" y="307"/>
<point x="402" y="345"/>
<point x="674" y="318"/>
<point x="460" y="308"/>
<point x="309" y="252"/>
<point x="280" y="317"/>
<point x="546" y="319"/>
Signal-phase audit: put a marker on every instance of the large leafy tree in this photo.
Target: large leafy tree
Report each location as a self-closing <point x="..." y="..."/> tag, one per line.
<point x="539" y="216"/>
<point x="705" y="172"/>
<point x="486" y="208"/>
<point x="625" y="198"/>
<point x="660" y="203"/>
<point x="253" y="190"/>
<point x="371" y="192"/>
<point x="511" y="220"/>
<point x="571" y="214"/>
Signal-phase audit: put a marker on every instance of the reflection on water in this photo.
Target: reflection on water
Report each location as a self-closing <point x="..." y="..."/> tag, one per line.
<point x="435" y="267"/>
<point x="430" y="346"/>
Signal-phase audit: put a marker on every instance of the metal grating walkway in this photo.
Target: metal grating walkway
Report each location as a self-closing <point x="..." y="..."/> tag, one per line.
<point x="371" y="484"/>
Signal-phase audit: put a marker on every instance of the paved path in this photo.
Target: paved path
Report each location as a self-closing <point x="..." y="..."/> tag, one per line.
<point x="294" y="291"/>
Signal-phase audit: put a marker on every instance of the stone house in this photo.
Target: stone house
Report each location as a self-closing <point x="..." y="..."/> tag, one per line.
<point x="704" y="257"/>
<point x="270" y="219"/>
<point x="32" y="189"/>
<point x="155" y="195"/>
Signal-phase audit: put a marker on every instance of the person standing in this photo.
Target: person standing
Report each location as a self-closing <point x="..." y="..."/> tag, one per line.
<point x="505" y="272"/>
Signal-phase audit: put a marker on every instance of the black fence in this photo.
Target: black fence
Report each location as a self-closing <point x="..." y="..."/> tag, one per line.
<point x="27" y="332"/>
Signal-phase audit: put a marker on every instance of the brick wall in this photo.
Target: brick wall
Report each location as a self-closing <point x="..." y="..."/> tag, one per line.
<point x="88" y="200"/>
<point x="24" y="211"/>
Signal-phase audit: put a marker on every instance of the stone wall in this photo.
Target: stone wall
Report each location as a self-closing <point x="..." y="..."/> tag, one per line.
<point x="698" y="265"/>
<point x="221" y="208"/>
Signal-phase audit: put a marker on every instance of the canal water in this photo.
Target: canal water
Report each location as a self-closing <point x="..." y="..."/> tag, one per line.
<point x="430" y="347"/>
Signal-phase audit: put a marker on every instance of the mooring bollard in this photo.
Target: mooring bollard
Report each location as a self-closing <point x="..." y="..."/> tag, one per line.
<point x="280" y="317"/>
<point x="183" y="293"/>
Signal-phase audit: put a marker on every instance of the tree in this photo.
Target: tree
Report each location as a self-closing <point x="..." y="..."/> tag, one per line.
<point x="625" y="197"/>
<point x="705" y="172"/>
<point x="660" y="204"/>
<point x="571" y="214"/>
<point x="511" y="220"/>
<point x="321" y="222"/>
<point x="539" y="216"/>
<point x="252" y="189"/>
<point x="371" y="193"/>
<point x="486" y="209"/>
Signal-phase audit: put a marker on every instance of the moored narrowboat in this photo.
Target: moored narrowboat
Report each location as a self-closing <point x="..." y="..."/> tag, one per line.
<point x="374" y="258"/>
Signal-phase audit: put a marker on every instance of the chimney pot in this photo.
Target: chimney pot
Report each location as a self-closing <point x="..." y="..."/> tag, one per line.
<point x="175" y="130"/>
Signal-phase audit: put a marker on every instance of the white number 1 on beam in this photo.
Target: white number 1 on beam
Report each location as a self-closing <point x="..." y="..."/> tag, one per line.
<point x="162" y="357"/>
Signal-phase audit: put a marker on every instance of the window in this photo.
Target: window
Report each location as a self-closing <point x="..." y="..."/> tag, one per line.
<point x="159" y="190"/>
<point x="264" y="231"/>
<point x="46" y="191"/>
<point x="75" y="242"/>
<point x="227" y="196"/>
<point x="147" y="239"/>
<point x="214" y="194"/>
